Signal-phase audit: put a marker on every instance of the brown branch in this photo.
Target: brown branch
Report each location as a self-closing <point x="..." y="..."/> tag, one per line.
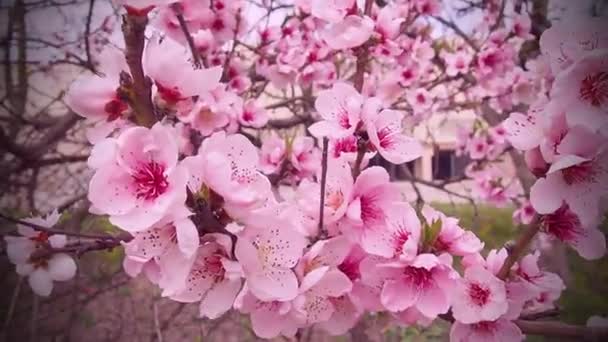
<point x="518" y="249"/>
<point x="57" y="231"/>
<point x="458" y="31"/>
<point x="178" y="9"/>
<point x="559" y="329"/>
<point x="133" y="29"/>
<point x="87" y="33"/>
<point x="323" y="184"/>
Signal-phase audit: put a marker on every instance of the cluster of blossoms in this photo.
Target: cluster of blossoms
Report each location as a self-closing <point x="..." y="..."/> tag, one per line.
<point x="210" y="226"/>
<point x="564" y="136"/>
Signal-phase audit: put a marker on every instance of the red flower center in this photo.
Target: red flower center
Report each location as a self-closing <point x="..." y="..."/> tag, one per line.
<point x="400" y="237"/>
<point x="150" y="181"/>
<point x="171" y="95"/>
<point x="420" y="278"/>
<point x="114" y="108"/>
<point x="479" y="294"/>
<point x="350" y="269"/>
<point x="583" y="172"/>
<point x="594" y="89"/>
<point x="563" y="224"/>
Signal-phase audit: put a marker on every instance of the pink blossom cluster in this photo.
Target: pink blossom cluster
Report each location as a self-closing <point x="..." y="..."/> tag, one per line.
<point x="564" y="137"/>
<point x="211" y="226"/>
<point x="24" y="251"/>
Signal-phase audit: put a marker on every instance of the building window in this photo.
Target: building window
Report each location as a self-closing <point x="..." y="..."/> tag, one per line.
<point x="447" y="165"/>
<point x="396" y="172"/>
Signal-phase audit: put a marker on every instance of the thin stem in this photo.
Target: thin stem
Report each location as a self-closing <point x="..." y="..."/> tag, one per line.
<point x="133" y="29"/>
<point x="11" y="309"/>
<point x="56" y="231"/>
<point x="323" y="183"/>
<point x="518" y="250"/>
<point x="179" y="13"/>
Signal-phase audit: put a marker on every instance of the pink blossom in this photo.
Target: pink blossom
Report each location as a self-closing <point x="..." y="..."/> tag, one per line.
<point x="522" y="25"/>
<point x="579" y="232"/>
<point x="525" y="213"/>
<point x="137" y="179"/>
<point x="397" y="237"/>
<point x="350" y="32"/>
<point x="95" y="97"/>
<point x="227" y="164"/>
<point x="428" y="7"/>
<point x="500" y="330"/>
<point x="269" y="319"/>
<point x="213" y="279"/>
<point x="479" y="296"/>
<point x="340" y="108"/>
<point x="166" y="62"/>
<point x="452" y="238"/>
<point x="43" y="271"/>
<point x="422" y="284"/>
<point x="388" y="22"/>
<point x="332" y="11"/>
<point x="267" y="255"/>
<point x="272" y="153"/>
<point x="478" y="147"/>
<point x="372" y="195"/>
<point x="582" y="90"/>
<point x="457" y="63"/>
<point x="253" y="115"/>
<point x="579" y="177"/>
<point x="386" y="135"/>
<point x="546" y="286"/>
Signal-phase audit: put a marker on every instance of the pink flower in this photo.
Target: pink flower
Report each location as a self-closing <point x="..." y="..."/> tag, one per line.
<point x="350" y="32"/>
<point x="272" y="153"/>
<point x="397" y="237"/>
<point x="457" y="63"/>
<point x="267" y="255"/>
<point x="252" y="115"/>
<point x="180" y="233"/>
<point x="388" y="22"/>
<point x="501" y="330"/>
<point x="422" y="284"/>
<point x="166" y="62"/>
<point x="577" y="178"/>
<point x="582" y="90"/>
<point x="41" y="272"/>
<point x="340" y="108"/>
<point x="452" y="238"/>
<point x="385" y="133"/>
<point x="522" y="25"/>
<point x="137" y="178"/>
<point x="372" y="195"/>
<point x="545" y="285"/>
<point x="565" y="43"/>
<point x="304" y="157"/>
<point x="269" y="319"/>
<point x="579" y="232"/>
<point x="95" y="97"/>
<point x="478" y="147"/>
<point x="428" y="7"/>
<point x="332" y="11"/>
<point x="479" y="296"/>
<point x="228" y="166"/>
<point x="525" y="213"/>
<point x="213" y="279"/>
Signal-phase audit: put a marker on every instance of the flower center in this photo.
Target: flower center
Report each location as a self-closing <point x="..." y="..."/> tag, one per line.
<point x="580" y="173"/>
<point x="114" y="108"/>
<point x="335" y="199"/>
<point x="350" y="269"/>
<point x="594" y="89"/>
<point x="563" y="224"/>
<point x="478" y="294"/>
<point x="419" y="277"/>
<point x="150" y="181"/>
<point x="400" y="237"/>
<point x="171" y="95"/>
<point x="385" y="135"/>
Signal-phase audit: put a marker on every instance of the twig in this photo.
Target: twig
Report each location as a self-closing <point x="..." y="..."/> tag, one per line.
<point x="518" y="250"/>
<point x="34" y="319"/>
<point x="323" y="183"/>
<point x="56" y="231"/>
<point x="179" y="13"/>
<point x="11" y="309"/>
<point x="87" y="33"/>
<point x="559" y="329"/>
<point x="159" y="334"/>
<point x="133" y="29"/>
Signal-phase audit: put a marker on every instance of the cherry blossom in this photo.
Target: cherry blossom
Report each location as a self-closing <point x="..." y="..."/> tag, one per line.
<point x="137" y="179"/>
<point x="479" y="296"/>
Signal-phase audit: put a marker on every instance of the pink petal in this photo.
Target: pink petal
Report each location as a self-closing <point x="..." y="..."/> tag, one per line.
<point x="219" y="299"/>
<point x="40" y="282"/>
<point x="61" y="267"/>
